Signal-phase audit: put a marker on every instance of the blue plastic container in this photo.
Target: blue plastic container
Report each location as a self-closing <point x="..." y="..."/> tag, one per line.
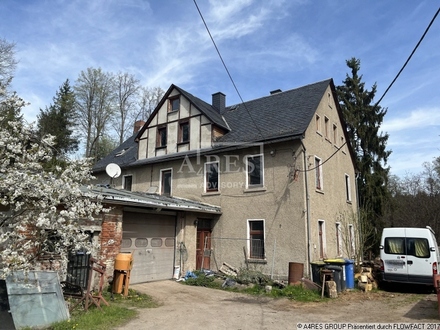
<point x="349" y="274"/>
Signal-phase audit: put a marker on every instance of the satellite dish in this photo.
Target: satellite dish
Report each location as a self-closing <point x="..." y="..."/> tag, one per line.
<point x="113" y="170"/>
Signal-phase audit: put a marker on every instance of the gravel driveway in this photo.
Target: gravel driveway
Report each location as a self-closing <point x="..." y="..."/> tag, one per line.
<point x="189" y="307"/>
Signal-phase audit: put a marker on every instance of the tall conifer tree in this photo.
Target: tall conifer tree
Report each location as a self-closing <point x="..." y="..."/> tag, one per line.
<point x="363" y="120"/>
<point x="59" y="120"/>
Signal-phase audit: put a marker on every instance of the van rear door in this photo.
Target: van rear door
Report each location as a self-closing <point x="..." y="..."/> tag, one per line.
<point x="420" y="257"/>
<point x="394" y="257"/>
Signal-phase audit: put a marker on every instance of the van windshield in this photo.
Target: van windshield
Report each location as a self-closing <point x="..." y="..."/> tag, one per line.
<point x="413" y="246"/>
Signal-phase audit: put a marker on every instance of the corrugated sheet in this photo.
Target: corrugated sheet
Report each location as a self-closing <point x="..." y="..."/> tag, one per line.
<point x="36" y="299"/>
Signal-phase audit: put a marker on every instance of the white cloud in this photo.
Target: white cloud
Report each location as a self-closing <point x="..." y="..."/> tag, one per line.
<point x="419" y="118"/>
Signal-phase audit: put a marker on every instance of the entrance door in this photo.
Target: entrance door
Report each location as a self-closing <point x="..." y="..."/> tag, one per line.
<point x="203" y="251"/>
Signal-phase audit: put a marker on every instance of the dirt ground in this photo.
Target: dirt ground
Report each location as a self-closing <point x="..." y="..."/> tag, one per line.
<point x="188" y="307"/>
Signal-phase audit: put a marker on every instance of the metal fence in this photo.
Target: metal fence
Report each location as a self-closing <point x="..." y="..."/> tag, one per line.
<point x="78" y="269"/>
<point x="239" y="252"/>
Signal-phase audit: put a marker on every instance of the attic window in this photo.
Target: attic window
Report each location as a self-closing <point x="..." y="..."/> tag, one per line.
<point x="184" y="132"/>
<point x="120" y="153"/>
<point x="161" y="140"/>
<point x="174" y="104"/>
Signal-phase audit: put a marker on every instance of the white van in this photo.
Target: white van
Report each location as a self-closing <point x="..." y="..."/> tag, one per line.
<point x="409" y="255"/>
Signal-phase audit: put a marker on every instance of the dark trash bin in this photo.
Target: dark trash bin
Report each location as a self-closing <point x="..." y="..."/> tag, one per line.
<point x="316" y="271"/>
<point x="341" y="263"/>
<point x="337" y="276"/>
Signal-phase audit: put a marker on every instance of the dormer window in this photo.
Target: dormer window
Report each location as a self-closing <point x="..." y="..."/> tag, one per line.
<point x="174" y="104"/>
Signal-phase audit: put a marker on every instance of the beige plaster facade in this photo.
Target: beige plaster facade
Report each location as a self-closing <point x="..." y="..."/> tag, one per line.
<point x="299" y="202"/>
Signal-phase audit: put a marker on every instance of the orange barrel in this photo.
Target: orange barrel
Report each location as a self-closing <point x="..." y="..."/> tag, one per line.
<point x="118" y="282"/>
<point x="124" y="261"/>
<point x="296" y="271"/>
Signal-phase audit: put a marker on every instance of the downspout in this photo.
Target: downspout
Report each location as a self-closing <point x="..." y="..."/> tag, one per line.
<point x="309" y="253"/>
<point x="358" y="216"/>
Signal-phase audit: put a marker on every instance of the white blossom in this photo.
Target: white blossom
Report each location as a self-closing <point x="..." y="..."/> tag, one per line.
<point x="39" y="207"/>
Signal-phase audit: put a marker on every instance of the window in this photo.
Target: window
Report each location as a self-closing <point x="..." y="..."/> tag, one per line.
<point x="352" y="239"/>
<point x="256" y="239"/>
<point x="128" y="180"/>
<point x="318" y="123"/>
<point x="347" y="188"/>
<point x="184" y="132"/>
<point x="165" y="182"/>
<point x="255" y="177"/>
<point x="395" y="245"/>
<point x="326" y="128"/>
<point x="51" y="244"/>
<point x="318" y="173"/>
<point x="174" y="104"/>
<point x="335" y="134"/>
<point x="417" y="247"/>
<point x="211" y="177"/>
<point x="161" y="137"/>
<point x="321" y="238"/>
<point x="338" y="239"/>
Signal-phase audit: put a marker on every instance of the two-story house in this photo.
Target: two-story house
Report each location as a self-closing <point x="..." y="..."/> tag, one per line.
<point x="273" y="180"/>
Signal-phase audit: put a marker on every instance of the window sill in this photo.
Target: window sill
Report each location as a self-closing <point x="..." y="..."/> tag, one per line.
<point x="173" y="111"/>
<point x="161" y="147"/>
<point x="182" y="143"/>
<point x="349" y="202"/>
<point x="254" y="189"/>
<point x="211" y="193"/>
<point x="256" y="261"/>
<point x="319" y="191"/>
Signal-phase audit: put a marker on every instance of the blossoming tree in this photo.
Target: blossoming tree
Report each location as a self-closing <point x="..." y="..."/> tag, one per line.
<point x="41" y="210"/>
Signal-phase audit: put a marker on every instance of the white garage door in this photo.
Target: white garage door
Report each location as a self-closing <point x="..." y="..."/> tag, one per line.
<point x="151" y="239"/>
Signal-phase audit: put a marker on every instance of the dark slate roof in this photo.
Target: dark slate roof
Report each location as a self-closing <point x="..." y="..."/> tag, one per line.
<point x="131" y="198"/>
<point x="123" y="155"/>
<point x="207" y="109"/>
<point x="275" y="116"/>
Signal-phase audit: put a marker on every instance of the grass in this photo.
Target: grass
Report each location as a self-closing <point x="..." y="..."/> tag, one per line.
<point x="120" y="310"/>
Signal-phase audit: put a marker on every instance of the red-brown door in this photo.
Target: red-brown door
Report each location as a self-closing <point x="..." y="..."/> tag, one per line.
<point x="203" y="254"/>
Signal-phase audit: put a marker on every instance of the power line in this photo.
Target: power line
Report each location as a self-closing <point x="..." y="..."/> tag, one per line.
<point x="227" y="71"/>
<point x="412" y="53"/>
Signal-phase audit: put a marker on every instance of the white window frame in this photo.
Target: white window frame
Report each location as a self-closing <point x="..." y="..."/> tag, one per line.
<point x="321" y="224"/>
<point x="318" y="174"/>
<point x="352" y="239"/>
<point x="347" y="187"/>
<point x="161" y="179"/>
<point x="248" y="186"/>
<point x="249" y="239"/>
<point x="123" y="181"/>
<point x="205" y="172"/>
<point x="338" y="239"/>
<point x="318" y="123"/>
<point x="335" y="134"/>
<point x="326" y="127"/>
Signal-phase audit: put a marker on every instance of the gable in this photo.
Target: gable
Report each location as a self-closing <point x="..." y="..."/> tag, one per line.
<point x="180" y="123"/>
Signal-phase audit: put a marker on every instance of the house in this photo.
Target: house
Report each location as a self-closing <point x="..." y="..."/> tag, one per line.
<point x="273" y="179"/>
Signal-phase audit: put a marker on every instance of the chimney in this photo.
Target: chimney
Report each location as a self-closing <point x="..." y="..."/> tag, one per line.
<point x="219" y="101"/>
<point x="138" y="125"/>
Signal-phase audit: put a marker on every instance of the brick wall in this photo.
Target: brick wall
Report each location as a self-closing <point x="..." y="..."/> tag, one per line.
<point x="111" y="237"/>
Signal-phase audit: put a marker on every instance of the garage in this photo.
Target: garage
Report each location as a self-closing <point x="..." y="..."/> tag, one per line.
<point x="151" y="239"/>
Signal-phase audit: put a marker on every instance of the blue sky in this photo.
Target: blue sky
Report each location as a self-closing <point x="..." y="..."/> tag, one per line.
<point x="266" y="44"/>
